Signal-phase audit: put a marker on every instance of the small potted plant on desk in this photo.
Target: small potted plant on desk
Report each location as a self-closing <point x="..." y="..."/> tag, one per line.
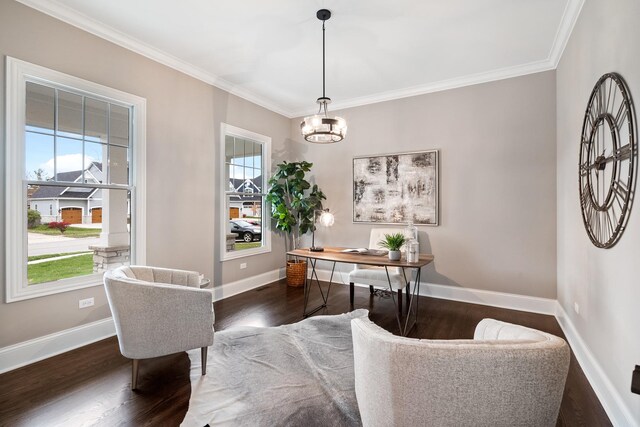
<point x="393" y="242"/>
<point x="294" y="203"/>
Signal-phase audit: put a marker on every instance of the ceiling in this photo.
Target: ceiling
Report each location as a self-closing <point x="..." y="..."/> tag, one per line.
<point x="271" y="52"/>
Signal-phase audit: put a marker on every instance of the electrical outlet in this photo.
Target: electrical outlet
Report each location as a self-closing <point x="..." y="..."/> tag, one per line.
<point x="576" y="307"/>
<point x="243" y="266"/>
<point x="87" y="302"/>
<point x="635" y="380"/>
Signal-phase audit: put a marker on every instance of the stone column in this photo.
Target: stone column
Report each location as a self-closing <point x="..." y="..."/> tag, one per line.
<point x="231" y="242"/>
<point x="109" y="257"/>
<point x="114" y="249"/>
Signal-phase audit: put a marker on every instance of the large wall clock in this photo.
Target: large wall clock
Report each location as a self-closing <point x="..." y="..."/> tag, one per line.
<point x="607" y="160"/>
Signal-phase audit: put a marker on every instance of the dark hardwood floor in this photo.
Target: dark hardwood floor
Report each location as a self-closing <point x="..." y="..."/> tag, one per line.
<point x="90" y="385"/>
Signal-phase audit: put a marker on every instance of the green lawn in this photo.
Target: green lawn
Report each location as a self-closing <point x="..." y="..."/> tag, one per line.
<point x="81" y="265"/>
<point x="243" y="245"/>
<point x="38" y="257"/>
<point x="71" y="231"/>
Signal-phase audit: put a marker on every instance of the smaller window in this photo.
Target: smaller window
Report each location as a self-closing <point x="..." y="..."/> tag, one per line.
<point x="245" y="157"/>
<point x="50" y="209"/>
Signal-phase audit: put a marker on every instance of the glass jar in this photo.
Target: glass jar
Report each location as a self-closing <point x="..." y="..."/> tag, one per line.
<point x="413" y="251"/>
<point x="411" y="231"/>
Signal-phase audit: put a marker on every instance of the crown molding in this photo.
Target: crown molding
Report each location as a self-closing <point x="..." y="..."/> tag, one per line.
<point x="90" y="25"/>
<point x="79" y="20"/>
<point x="458" y="82"/>
<point x="568" y="21"/>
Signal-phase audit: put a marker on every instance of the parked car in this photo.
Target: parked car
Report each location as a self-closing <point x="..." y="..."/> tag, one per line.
<point x="245" y="230"/>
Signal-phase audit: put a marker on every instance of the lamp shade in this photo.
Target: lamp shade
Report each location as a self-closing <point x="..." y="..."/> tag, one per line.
<point x="323" y="130"/>
<point x="326" y="219"/>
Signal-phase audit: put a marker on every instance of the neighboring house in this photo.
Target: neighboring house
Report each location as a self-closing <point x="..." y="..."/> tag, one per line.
<point x="249" y="204"/>
<point x="71" y="204"/>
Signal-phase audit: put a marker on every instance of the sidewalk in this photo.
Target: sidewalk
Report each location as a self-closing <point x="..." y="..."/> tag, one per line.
<point x="40" y="261"/>
<point x="42" y="244"/>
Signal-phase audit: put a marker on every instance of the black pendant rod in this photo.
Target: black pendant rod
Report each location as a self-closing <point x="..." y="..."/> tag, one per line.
<point x="323" y="91"/>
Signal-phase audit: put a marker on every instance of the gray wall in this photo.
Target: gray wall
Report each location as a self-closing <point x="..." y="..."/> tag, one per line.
<point x="183" y="121"/>
<point x="497" y="179"/>
<point x="604" y="282"/>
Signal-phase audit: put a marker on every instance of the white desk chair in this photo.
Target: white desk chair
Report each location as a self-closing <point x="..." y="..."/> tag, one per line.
<point x="375" y="276"/>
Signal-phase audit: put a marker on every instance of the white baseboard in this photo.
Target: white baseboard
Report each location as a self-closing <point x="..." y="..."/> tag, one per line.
<point x="27" y="352"/>
<point x="234" y="288"/>
<point x="611" y="401"/>
<point x="474" y="296"/>
<point x="491" y="298"/>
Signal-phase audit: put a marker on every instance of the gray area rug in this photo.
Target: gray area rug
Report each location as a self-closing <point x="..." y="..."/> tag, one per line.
<point x="291" y="375"/>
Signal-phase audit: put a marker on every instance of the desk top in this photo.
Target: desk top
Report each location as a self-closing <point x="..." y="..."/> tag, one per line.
<point x="336" y="255"/>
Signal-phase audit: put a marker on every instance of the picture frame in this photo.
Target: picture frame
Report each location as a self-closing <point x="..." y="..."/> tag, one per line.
<point x="397" y="188"/>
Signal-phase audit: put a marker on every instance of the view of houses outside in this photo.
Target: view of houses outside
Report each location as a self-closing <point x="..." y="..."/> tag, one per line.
<point x="244" y="198"/>
<point x="68" y="138"/>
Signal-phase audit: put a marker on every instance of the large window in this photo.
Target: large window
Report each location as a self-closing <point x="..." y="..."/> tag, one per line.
<point x="75" y="154"/>
<point x="246" y="158"/>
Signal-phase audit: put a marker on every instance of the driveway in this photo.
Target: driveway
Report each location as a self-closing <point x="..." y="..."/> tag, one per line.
<point x="42" y="244"/>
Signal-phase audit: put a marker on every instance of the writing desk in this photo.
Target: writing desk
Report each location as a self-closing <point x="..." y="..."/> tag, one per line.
<point x="335" y="255"/>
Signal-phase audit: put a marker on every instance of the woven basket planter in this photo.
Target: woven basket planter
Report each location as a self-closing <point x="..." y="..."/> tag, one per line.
<point x="296" y="273"/>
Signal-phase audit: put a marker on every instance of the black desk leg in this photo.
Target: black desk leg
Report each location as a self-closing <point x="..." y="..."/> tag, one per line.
<point x="352" y="289"/>
<point x="309" y="281"/>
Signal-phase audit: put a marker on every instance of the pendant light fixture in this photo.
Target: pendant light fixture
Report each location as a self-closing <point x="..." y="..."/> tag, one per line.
<point x="321" y="128"/>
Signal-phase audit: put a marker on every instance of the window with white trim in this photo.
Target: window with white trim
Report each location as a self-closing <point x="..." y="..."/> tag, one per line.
<point x="246" y="156"/>
<point x="69" y="142"/>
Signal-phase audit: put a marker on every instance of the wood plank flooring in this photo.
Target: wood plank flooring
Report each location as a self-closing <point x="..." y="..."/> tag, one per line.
<point x="90" y="386"/>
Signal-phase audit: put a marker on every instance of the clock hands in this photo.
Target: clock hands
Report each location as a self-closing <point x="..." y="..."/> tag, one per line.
<point x="601" y="161"/>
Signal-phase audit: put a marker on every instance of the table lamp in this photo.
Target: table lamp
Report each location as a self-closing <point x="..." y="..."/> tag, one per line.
<point x="325" y="219"/>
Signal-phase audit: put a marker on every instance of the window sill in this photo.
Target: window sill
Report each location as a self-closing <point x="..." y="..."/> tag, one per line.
<point x="50" y="288"/>
<point x="245" y="253"/>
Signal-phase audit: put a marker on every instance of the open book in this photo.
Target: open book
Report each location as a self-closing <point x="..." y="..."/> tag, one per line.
<point x="365" y="251"/>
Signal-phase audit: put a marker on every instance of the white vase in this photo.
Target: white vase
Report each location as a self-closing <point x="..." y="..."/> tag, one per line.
<point x="394" y="255"/>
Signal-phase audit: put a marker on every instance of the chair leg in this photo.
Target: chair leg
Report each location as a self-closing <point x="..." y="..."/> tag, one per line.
<point x="134" y="373"/>
<point x="408" y="296"/>
<point x="371" y="290"/>
<point x="352" y="288"/>
<point x="400" y="301"/>
<point x="203" y="359"/>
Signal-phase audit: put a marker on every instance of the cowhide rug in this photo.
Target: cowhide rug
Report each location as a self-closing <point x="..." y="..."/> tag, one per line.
<point x="291" y="375"/>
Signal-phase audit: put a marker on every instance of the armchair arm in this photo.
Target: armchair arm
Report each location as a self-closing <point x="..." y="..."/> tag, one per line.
<point x="154" y="319"/>
<point x="490" y="329"/>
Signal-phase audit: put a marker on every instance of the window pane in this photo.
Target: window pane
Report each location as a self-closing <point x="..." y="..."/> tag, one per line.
<point x="118" y="165"/>
<point x="257" y="157"/>
<point x="38" y="156"/>
<point x="245" y="224"/>
<point x="228" y="149"/>
<point x="68" y="159"/>
<point x="257" y="181"/>
<point x="40" y="108"/>
<point x="69" y="114"/>
<point x="83" y="210"/>
<point x="239" y="152"/>
<point x="248" y="146"/>
<point x="93" y="157"/>
<point x="95" y="120"/>
<point x="119" y="125"/>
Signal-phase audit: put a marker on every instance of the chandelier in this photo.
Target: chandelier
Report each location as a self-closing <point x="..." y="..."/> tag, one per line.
<point x="320" y="128"/>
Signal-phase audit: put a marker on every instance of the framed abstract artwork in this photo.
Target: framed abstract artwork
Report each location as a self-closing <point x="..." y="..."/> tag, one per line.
<point x="396" y="188"/>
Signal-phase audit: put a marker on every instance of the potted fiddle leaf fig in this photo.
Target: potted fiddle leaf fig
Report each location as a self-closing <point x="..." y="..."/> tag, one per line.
<point x="294" y="202"/>
<point x="393" y="242"/>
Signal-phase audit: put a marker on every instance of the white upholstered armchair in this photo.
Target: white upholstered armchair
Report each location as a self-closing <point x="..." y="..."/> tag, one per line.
<point x="507" y="375"/>
<point x="159" y="311"/>
<point x="375" y="276"/>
